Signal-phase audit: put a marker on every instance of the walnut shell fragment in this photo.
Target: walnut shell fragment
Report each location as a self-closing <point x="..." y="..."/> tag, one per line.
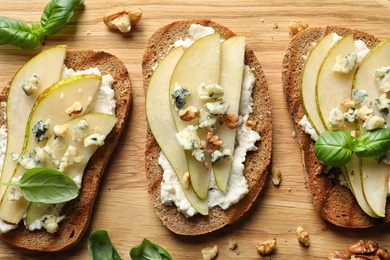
<point x="123" y="19"/>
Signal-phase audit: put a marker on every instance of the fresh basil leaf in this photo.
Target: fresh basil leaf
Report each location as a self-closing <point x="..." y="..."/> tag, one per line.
<point x="57" y="14"/>
<point x="334" y="148"/>
<point x="100" y="246"/>
<point x="47" y="186"/>
<point x="146" y="250"/>
<point x="18" y="33"/>
<point x="373" y="143"/>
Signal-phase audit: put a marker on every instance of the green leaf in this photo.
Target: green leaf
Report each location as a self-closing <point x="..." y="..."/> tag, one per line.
<point x="334" y="148"/>
<point x="100" y="246"/>
<point x="47" y="185"/>
<point x="146" y="250"/>
<point x="373" y="143"/>
<point x="57" y="14"/>
<point x="18" y="33"/>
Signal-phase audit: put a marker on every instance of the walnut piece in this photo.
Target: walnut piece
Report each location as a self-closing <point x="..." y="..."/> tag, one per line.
<point x="297" y="26"/>
<point x="186" y="180"/>
<point x="60" y="130"/>
<point x="303" y="236"/>
<point x="210" y="252"/>
<point x="364" y="112"/>
<point x="266" y="247"/>
<point x="213" y="142"/>
<point x="348" y="103"/>
<point x="250" y="124"/>
<point x="232" y="244"/>
<point x="189" y="113"/>
<point x="74" y="109"/>
<point x="123" y="19"/>
<point x="276" y="176"/>
<point x="230" y="120"/>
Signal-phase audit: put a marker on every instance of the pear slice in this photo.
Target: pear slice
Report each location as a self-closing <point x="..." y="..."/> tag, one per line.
<point x="232" y="69"/>
<point x="339" y="86"/>
<point x="19" y="104"/>
<point x="309" y="78"/>
<point x="163" y="127"/>
<point x="364" y="77"/>
<point x="200" y="63"/>
<point x="332" y="87"/>
<point x="35" y="211"/>
<point x="375" y="180"/>
<point x="375" y="175"/>
<point x="52" y="104"/>
<point x="100" y="124"/>
<point x="353" y="172"/>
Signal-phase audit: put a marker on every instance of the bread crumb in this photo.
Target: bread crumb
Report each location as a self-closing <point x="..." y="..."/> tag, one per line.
<point x="210" y="253"/>
<point x="276" y="26"/>
<point x="294" y="134"/>
<point x="262" y="20"/>
<point x="303" y="236"/>
<point x="276" y="176"/>
<point x="266" y="247"/>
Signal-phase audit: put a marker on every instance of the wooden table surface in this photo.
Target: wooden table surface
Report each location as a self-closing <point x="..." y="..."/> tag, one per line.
<point x="123" y="207"/>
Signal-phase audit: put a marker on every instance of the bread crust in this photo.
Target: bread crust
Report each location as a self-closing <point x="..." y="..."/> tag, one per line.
<point x="334" y="202"/>
<point x="256" y="164"/>
<point x="78" y="212"/>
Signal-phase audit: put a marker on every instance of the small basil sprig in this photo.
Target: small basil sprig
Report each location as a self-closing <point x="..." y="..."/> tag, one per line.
<point x="46" y="185"/>
<point x="335" y="148"/>
<point x="100" y="246"/>
<point x="147" y="250"/>
<point x="55" y="16"/>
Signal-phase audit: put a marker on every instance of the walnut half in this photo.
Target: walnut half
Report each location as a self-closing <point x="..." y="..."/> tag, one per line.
<point x="362" y="250"/>
<point x="123" y="19"/>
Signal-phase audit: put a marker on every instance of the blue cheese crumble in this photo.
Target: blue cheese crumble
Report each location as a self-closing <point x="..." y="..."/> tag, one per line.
<point x="30" y="86"/>
<point x="382" y="78"/>
<point x="345" y="64"/>
<point x="179" y="96"/>
<point x="208" y="92"/>
<point x="39" y="130"/>
<point x="188" y="138"/>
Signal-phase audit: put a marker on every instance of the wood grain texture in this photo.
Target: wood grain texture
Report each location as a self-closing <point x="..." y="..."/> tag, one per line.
<point x="123" y="207"/>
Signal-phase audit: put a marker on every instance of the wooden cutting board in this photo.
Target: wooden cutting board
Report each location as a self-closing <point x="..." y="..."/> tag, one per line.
<point x="123" y="207"/>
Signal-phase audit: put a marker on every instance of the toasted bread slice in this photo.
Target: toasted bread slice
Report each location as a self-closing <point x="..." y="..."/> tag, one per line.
<point x="333" y="201"/>
<point x="256" y="164"/>
<point x="78" y="212"/>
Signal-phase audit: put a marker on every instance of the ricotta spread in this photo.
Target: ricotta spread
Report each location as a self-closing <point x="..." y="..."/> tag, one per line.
<point x="196" y="32"/>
